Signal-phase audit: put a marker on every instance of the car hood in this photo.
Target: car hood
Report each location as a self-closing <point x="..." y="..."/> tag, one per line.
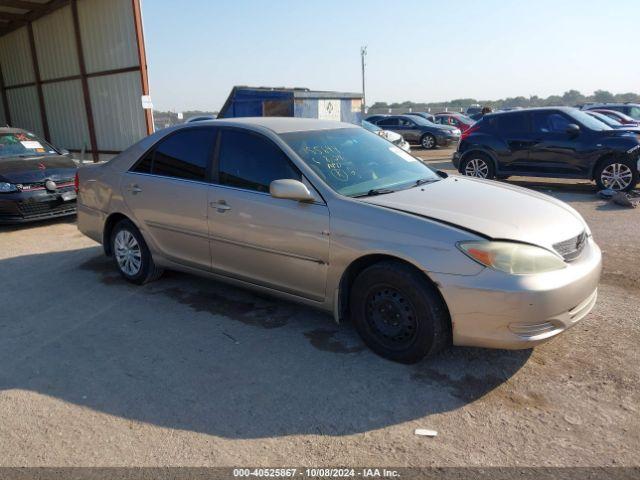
<point x="491" y="209"/>
<point x="37" y="169"/>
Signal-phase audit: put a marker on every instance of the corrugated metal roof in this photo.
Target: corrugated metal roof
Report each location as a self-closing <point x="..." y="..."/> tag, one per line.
<point x="15" y="56"/>
<point x="56" y="45"/>
<point x="66" y="114"/>
<point x="117" y="111"/>
<point x="25" y="110"/>
<point x="108" y="23"/>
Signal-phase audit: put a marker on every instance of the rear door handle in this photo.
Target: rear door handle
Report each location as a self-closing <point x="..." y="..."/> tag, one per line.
<point x="220" y="205"/>
<point x="134" y="189"/>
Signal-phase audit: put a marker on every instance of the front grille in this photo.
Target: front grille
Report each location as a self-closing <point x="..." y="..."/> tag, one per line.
<point x="572" y="248"/>
<point x="34" y="209"/>
<point x="63" y="185"/>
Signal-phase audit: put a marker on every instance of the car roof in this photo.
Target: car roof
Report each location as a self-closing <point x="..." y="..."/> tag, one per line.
<point x="278" y="124"/>
<point x="611" y="104"/>
<point x="608" y="110"/>
<point x="533" y="109"/>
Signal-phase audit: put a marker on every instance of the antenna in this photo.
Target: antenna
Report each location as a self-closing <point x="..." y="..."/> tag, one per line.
<point x="363" y="53"/>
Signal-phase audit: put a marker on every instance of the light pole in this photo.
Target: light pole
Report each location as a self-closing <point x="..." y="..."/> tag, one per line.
<point x="363" y="53"/>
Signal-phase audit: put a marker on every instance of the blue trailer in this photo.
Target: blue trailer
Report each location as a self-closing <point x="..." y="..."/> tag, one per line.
<point x="292" y="102"/>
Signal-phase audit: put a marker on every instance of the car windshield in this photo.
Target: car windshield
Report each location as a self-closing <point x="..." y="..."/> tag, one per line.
<point x="588" y="121"/>
<point x="604" y="119"/>
<point x="23" y="144"/>
<point x="355" y="162"/>
<point x="370" y="126"/>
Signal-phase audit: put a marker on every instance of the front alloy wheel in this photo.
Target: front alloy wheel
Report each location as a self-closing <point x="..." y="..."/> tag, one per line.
<point x="428" y="142"/>
<point x="617" y="176"/>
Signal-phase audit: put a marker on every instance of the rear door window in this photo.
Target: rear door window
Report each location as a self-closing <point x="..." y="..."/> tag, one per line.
<point x="405" y="122"/>
<point x="184" y="154"/>
<point x="511" y="124"/>
<point x="251" y="161"/>
<point x="389" y="122"/>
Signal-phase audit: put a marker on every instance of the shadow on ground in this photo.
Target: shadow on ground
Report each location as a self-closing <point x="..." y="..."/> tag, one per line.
<point x="190" y="353"/>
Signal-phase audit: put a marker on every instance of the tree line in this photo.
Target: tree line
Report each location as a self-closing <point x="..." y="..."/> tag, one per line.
<point x="570" y="98"/>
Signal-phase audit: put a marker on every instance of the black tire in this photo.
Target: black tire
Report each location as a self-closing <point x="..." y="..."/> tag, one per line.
<point x="610" y="166"/>
<point x="147" y="271"/>
<point x="398" y="313"/>
<point x="428" y="141"/>
<point x="480" y="163"/>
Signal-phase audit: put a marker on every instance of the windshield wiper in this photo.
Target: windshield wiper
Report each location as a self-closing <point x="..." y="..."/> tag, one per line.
<point x="422" y="181"/>
<point x="376" y="191"/>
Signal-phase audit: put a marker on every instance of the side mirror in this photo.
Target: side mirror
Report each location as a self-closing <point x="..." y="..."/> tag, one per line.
<point x="290" y="190"/>
<point x="573" y="129"/>
<point x="65" y="152"/>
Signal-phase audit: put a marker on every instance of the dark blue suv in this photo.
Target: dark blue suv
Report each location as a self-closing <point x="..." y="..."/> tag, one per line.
<point x="559" y="142"/>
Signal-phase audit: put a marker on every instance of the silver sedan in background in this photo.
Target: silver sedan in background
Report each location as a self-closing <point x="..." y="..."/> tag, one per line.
<point x="333" y="216"/>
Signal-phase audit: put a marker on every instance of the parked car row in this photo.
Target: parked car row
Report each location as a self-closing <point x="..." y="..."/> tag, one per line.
<point x="393" y="137"/>
<point x="629" y="110"/>
<point x="416" y="129"/>
<point x="560" y="142"/>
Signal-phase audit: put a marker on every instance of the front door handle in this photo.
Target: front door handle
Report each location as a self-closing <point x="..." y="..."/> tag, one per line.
<point x="221" y="206"/>
<point x="134" y="189"/>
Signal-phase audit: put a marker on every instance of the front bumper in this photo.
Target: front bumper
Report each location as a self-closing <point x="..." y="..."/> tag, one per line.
<point x="497" y="310"/>
<point x="456" y="159"/>
<point x="20" y="207"/>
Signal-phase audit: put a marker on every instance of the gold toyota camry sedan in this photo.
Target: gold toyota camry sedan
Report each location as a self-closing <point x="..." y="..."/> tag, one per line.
<point x="336" y="217"/>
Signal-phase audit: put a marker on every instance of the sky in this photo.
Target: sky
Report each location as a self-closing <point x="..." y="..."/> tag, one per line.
<point x="418" y="50"/>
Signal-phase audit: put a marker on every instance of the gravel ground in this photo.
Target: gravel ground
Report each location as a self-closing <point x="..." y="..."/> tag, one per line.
<point x="187" y="371"/>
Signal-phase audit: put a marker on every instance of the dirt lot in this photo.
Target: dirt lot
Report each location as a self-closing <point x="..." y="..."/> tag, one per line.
<point x="186" y="371"/>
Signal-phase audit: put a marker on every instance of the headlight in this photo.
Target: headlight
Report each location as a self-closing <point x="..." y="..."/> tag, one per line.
<point x="7" y="187"/>
<point x="509" y="257"/>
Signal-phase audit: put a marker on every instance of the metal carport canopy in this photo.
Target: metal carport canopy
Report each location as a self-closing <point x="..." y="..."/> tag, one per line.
<point x="74" y="72"/>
